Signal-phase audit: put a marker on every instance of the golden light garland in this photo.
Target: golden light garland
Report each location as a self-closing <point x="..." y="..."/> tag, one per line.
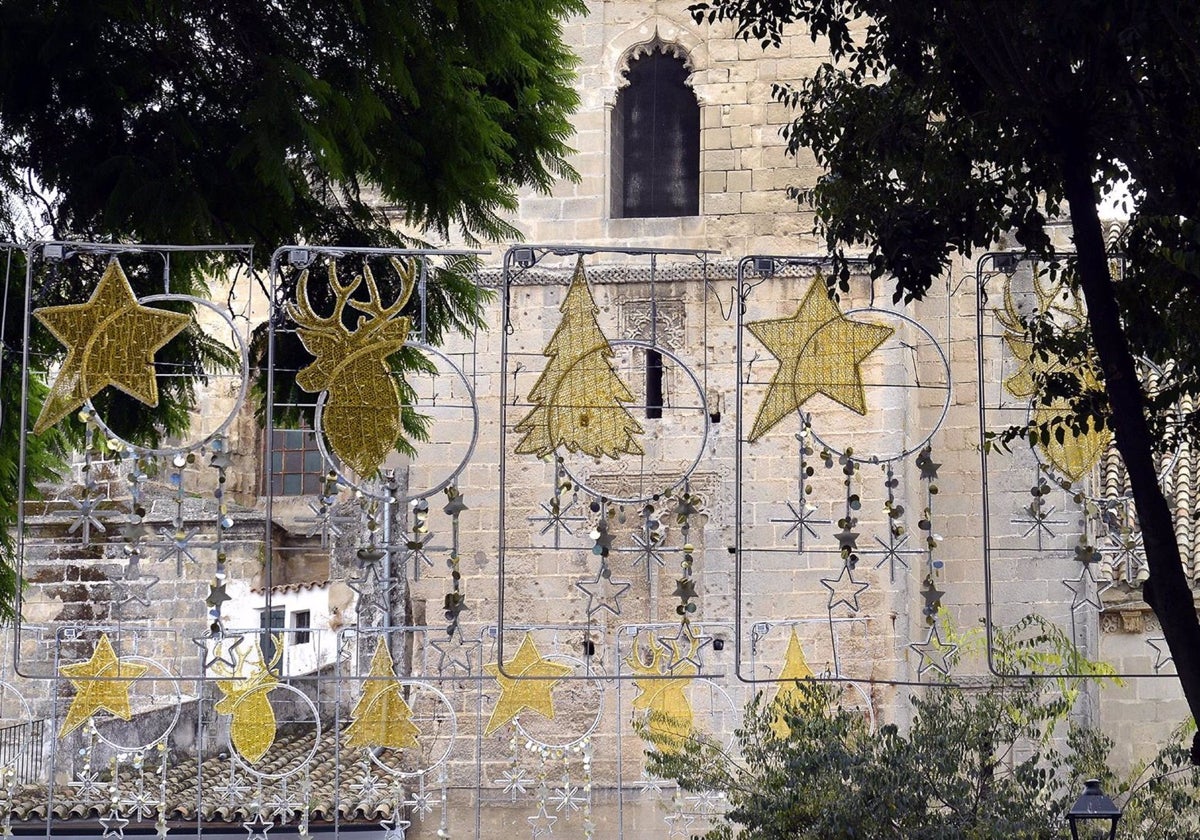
<point x="529" y="688"/>
<point x="362" y="415"/>
<point x="382" y="717"/>
<point x="795" y="667"/>
<point x="662" y="694"/>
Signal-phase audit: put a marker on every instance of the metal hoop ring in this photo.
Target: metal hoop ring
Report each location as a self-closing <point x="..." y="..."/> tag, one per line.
<point x="691" y="468"/>
<point x="243" y="353"/>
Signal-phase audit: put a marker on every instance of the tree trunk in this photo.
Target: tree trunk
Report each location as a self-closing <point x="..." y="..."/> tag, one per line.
<point x="1168" y="591"/>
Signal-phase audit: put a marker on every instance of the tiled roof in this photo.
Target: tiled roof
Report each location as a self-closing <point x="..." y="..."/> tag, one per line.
<point x="329" y="793"/>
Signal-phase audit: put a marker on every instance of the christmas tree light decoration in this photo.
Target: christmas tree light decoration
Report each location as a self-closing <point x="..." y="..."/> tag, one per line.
<point x="382" y="717"/>
<point x="361" y="419"/>
<point x="795" y="667"/>
<point x="578" y="398"/>
<point x="820" y="351"/>
<point x="530" y="688"/>
<point x="110" y="340"/>
<point x="101" y="683"/>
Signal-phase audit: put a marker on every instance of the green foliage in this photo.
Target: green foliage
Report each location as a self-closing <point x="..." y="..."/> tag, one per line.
<point x="223" y="121"/>
<point x="943" y="128"/>
<point x="972" y="763"/>
<point x="44" y="461"/>
<point x="188" y="122"/>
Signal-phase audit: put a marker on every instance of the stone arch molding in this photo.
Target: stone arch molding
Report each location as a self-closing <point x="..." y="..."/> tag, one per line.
<point x="657" y="32"/>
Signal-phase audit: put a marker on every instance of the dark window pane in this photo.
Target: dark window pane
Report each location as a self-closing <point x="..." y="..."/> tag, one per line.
<point x="312" y="461"/>
<point x="293" y="462"/>
<point x="292" y="485"/>
<point x="657" y="138"/>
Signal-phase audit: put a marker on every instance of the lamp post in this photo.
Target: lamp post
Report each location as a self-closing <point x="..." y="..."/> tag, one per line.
<point x="1094" y="814"/>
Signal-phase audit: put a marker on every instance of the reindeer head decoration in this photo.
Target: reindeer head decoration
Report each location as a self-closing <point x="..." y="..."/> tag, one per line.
<point x="244" y="689"/>
<point x="362" y="414"/>
<point x="663" y="700"/>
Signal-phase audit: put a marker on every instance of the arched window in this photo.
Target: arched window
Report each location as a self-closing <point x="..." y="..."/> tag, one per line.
<point x="656" y="139"/>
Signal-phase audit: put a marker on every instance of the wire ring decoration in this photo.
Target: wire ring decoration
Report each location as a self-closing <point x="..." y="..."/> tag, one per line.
<point x="175" y="706"/>
<point x="715" y="689"/>
<point x="305" y="760"/>
<point x="702" y="405"/>
<point x="24" y="720"/>
<point x="370" y="489"/>
<point x="933" y="429"/>
<point x="450" y="717"/>
<point x="596" y="679"/>
<point x="243" y="388"/>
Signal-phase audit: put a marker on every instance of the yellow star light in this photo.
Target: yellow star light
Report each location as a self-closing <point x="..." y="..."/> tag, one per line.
<point x="795" y="667"/>
<point x="524" y="690"/>
<point x="110" y="340"/>
<point x="382" y="717"/>
<point x="820" y="351"/>
<point x="100" y="683"/>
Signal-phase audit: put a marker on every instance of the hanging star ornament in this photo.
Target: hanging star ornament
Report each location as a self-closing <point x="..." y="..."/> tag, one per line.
<point x="844" y="589"/>
<point x="1085" y="590"/>
<point x="820" y="351"/>
<point x="101" y="683"/>
<point x="110" y="340"/>
<point x="934" y="653"/>
<point x="603" y="592"/>
<point x="528" y="684"/>
<point x="113" y="825"/>
<point x="382" y="717"/>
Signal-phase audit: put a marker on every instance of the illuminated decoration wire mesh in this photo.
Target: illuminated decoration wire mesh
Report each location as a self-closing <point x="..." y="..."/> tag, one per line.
<point x="382" y="717"/>
<point x="669" y="719"/>
<point x="361" y="417"/>
<point x="245" y="689"/>
<point x="528" y="685"/>
<point x="101" y="684"/>
<point x="110" y="340"/>
<point x="1076" y="454"/>
<point x="795" y="668"/>
<point x="820" y="352"/>
<point x="578" y="396"/>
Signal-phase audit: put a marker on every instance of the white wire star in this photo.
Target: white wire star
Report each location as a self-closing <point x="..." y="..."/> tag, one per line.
<point x="934" y="653"/>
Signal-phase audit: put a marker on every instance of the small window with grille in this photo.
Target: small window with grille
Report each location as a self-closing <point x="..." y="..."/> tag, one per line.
<point x="297" y="468"/>
<point x="656" y="140"/>
<point x="301" y="622"/>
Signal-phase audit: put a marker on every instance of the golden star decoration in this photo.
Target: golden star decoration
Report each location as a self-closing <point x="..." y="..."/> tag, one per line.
<point x="110" y="340"/>
<point x="101" y="683"/>
<point x="820" y="351"/>
<point x="529" y="688"/>
<point x="795" y="667"/>
<point x="382" y="717"/>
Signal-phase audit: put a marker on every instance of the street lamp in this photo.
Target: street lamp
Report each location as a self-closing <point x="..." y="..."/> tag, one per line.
<point x="1094" y="813"/>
